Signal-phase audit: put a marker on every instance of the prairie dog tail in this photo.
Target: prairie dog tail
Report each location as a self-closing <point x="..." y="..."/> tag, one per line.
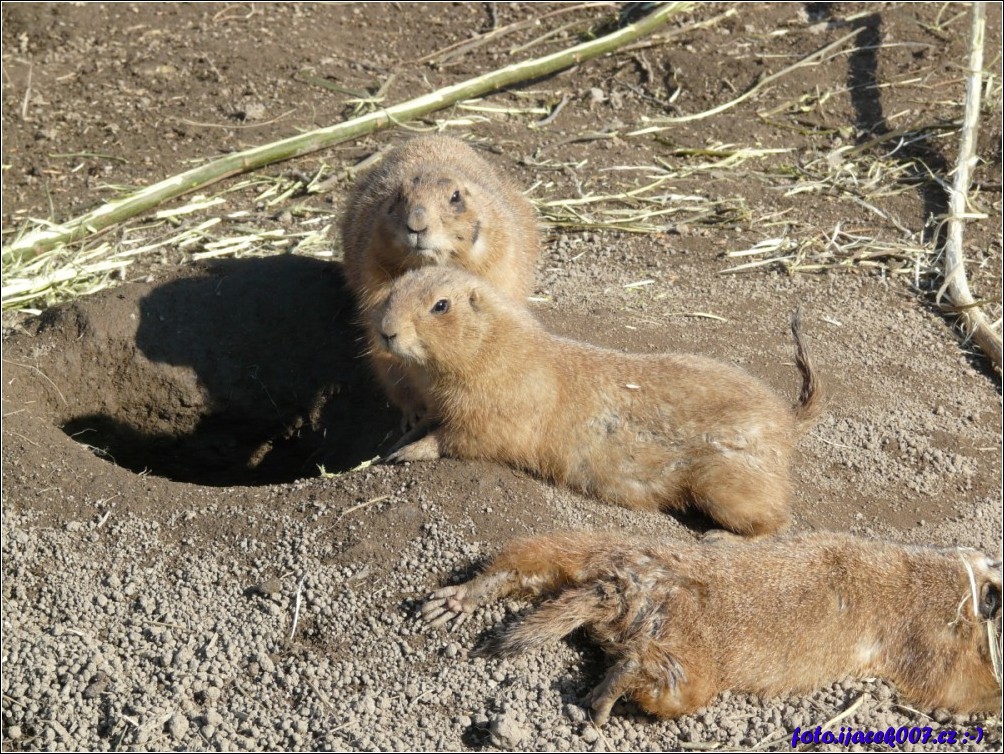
<point x="811" y="399"/>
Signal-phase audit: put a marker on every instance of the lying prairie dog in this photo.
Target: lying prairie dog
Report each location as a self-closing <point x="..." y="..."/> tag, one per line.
<point x="684" y="622"/>
<point x="652" y="432"/>
<point x="434" y="201"/>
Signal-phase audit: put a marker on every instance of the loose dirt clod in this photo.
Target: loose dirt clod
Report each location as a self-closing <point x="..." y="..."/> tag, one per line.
<point x="178" y="726"/>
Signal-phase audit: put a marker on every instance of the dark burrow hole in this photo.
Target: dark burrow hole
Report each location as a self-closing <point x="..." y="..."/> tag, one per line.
<point x="246" y="372"/>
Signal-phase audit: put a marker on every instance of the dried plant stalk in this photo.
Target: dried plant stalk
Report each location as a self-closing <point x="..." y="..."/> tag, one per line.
<point x="956" y="285"/>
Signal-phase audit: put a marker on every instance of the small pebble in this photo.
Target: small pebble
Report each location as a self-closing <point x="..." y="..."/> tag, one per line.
<point x="182" y="657"/>
<point x="507" y="733"/>
<point x="575" y="713"/>
<point x="269" y="587"/>
<point x="212" y="694"/>
<point x="177" y="726"/>
<point x="97" y="686"/>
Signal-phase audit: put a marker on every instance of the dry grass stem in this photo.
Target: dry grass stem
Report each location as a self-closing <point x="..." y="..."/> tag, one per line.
<point x="296" y="609"/>
<point x="811" y="59"/>
<point x="354" y="508"/>
<point x="956" y="284"/>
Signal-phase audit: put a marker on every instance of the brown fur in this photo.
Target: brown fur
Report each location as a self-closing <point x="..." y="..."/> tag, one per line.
<point x="643" y="431"/>
<point x="401" y="216"/>
<point x="686" y="622"/>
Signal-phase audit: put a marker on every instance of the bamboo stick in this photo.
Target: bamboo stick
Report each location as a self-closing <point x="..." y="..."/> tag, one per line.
<point x="114" y="212"/>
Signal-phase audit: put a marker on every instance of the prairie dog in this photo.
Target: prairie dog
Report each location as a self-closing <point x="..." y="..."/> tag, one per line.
<point x="648" y="432"/>
<point x="774" y="616"/>
<point x="434" y="201"/>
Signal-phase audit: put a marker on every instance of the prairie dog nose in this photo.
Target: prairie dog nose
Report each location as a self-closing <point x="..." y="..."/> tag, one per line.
<point x="417" y="221"/>
<point x="387" y="339"/>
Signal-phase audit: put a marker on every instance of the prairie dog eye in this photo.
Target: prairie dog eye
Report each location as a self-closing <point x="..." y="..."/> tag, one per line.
<point x="441" y="307"/>
<point x="455" y="198"/>
<point x="990" y="603"/>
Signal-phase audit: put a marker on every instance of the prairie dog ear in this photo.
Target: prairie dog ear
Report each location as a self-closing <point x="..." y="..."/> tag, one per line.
<point x="475" y="298"/>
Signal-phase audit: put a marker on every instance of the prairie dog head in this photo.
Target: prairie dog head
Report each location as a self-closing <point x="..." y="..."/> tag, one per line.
<point x="977" y="628"/>
<point x="435" y="217"/>
<point x="437" y="318"/>
<point x="983" y="596"/>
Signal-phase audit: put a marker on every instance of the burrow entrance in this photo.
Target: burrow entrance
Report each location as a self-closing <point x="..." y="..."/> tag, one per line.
<point x="243" y="372"/>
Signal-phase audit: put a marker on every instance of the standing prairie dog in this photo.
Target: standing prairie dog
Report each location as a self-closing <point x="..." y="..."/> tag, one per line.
<point x="434" y="201"/>
<point x="647" y="432"/>
<point x="684" y="622"/>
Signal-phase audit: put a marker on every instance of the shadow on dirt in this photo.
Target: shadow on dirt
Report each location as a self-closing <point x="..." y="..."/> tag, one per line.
<point x="248" y="373"/>
<point x="919" y="154"/>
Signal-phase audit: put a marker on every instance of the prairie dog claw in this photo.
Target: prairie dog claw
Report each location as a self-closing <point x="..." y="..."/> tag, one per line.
<point x="450" y="603"/>
<point x="426" y="449"/>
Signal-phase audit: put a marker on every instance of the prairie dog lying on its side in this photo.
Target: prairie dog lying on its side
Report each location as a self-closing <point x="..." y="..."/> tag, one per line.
<point x="683" y="623"/>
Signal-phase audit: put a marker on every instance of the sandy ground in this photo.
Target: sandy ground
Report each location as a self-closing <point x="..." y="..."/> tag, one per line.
<point x="178" y="573"/>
